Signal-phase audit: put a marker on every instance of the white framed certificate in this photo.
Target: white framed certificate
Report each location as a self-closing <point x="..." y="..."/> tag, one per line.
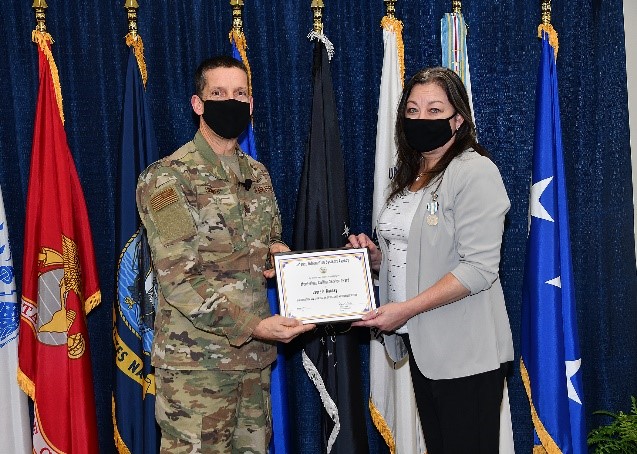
<point x="333" y="285"/>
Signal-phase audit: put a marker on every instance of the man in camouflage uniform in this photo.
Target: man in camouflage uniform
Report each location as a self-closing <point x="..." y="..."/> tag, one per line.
<point x="212" y="219"/>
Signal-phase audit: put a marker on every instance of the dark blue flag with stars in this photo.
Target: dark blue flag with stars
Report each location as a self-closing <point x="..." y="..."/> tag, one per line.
<point x="551" y="362"/>
<point x="134" y="311"/>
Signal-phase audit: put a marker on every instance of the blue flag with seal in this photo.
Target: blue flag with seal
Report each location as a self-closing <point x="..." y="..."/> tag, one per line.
<point x="134" y="386"/>
<point x="550" y="361"/>
<point x="280" y="442"/>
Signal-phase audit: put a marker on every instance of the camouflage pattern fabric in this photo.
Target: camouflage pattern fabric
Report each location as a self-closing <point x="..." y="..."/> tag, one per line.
<point x="209" y="238"/>
<point x="213" y="411"/>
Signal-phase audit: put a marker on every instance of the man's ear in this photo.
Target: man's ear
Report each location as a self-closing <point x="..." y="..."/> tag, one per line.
<point x="197" y="104"/>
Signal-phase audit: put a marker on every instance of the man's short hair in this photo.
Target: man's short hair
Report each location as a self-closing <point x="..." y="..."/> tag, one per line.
<point x="221" y="61"/>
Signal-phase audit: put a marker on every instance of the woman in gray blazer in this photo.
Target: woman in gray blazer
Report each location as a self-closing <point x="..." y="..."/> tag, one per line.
<point x="437" y="260"/>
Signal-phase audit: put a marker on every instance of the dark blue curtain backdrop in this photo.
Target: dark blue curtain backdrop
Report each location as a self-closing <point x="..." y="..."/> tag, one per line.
<point x="503" y="49"/>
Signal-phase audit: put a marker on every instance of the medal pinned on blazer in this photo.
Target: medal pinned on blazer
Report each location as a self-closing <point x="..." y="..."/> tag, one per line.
<point x="433" y="206"/>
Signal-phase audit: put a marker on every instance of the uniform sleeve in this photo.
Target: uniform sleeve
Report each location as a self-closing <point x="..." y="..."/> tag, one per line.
<point x="481" y="203"/>
<point x="162" y="201"/>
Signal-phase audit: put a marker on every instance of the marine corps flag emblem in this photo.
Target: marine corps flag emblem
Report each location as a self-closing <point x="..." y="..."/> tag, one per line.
<point x="59" y="286"/>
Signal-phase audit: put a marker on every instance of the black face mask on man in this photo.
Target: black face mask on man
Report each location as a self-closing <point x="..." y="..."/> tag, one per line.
<point x="425" y="135"/>
<point x="227" y="118"/>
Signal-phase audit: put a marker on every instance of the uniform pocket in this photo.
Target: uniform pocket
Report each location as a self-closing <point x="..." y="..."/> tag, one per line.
<point x="220" y="220"/>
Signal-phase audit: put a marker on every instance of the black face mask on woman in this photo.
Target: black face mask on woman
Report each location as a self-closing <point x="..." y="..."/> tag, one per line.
<point x="228" y="118"/>
<point x="425" y="135"/>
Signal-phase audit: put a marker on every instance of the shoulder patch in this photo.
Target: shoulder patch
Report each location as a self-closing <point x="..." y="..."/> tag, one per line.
<point x="171" y="216"/>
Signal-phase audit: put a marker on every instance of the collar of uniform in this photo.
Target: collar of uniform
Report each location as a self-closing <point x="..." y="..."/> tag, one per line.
<point x="209" y="155"/>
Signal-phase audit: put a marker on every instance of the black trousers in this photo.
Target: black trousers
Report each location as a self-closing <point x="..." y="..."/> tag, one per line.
<point x="459" y="415"/>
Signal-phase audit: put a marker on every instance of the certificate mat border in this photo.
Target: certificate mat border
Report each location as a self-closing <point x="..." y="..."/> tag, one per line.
<point x="325" y="253"/>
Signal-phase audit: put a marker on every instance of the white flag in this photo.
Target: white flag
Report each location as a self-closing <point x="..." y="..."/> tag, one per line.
<point x="391" y="86"/>
<point x="392" y="401"/>
<point x="15" y="432"/>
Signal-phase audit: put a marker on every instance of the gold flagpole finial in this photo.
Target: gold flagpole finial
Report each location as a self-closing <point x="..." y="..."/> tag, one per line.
<point x="131" y="7"/>
<point x="390" y="8"/>
<point x="456" y="6"/>
<point x="317" y="8"/>
<point x="546" y="12"/>
<point x="40" y="15"/>
<point x="237" y="15"/>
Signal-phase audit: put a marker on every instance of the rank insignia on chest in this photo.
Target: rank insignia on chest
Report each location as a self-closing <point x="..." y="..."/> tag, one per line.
<point x="263" y="189"/>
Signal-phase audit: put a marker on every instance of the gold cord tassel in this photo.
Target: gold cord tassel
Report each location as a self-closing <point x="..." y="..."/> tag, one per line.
<point x="392" y="24"/>
<point x="137" y="44"/>
<point x="240" y="41"/>
<point x="553" y="41"/>
<point x="43" y="40"/>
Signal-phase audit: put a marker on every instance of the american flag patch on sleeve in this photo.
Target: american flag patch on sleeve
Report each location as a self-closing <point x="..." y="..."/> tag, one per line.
<point x="164" y="198"/>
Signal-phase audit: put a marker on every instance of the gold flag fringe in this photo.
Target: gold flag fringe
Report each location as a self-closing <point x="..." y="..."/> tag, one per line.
<point x="549" y="30"/>
<point x="240" y="40"/>
<point x="138" y="49"/>
<point x="92" y="301"/>
<point x="393" y="25"/>
<point x="119" y="441"/>
<point x="43" y="40"/>
<point x="26" y="384"/>
<point x="383" y="428"/>
<point x="548" y="444"/>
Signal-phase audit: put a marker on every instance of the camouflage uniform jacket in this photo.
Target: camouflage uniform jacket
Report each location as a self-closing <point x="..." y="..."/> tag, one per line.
<point x="209" y="239"/>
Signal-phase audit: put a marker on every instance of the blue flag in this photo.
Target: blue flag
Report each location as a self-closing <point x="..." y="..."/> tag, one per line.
<point x="280" y="443"/>
<point x="550" y="362"/>
<point x="134" y="386"/>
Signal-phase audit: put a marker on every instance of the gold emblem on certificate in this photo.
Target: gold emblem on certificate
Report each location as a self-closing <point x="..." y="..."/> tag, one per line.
<point x="324" y="286"/>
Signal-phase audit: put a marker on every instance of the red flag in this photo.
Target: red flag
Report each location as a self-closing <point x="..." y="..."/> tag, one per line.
<point x="59" y="285"/>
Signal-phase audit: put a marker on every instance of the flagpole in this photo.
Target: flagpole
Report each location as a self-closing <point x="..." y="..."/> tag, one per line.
<point x="317" y="9"/>
<point x="547" y="27"/>
<point x="456" y="6"/>
<point x="237" y="15"/>
<point x="131" y="9"/>
<point x="390" y="8"/>
<point x="40" y="15"/>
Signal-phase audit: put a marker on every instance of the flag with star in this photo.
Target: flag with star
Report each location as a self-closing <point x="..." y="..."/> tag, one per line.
<point x="135" y="429"/>
<point x="280" y="441"/>
<point x="331" y="355"/>
<point x="550" y="361"/>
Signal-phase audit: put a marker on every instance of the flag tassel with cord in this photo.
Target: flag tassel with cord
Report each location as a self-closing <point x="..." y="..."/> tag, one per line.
<point x="550" y="361"/>
<point x="280" y="442"/>
<point x="392" y="402"/>
<point x="133" y="406"/>
<point x="59" y="285"/>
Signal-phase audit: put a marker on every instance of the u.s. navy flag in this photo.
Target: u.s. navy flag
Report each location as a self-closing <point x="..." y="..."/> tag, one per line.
<point x="453" y="33"/>
<point x="550" y="361"/>
<point x="133" y="314"/>
<point x="391" y="398"/>
<point x="59" y="284"/>
<point x="332" y="360"/>
<point x="280" y="442"/>
<point x="15" y="433"/>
